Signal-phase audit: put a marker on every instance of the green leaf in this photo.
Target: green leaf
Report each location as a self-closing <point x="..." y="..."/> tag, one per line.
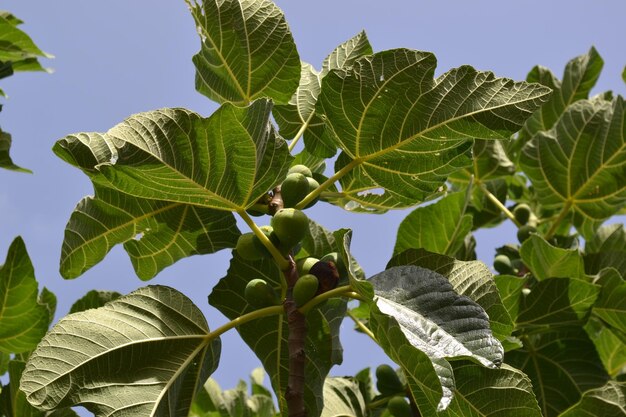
<point x="410" y="146"/>
<point x="510" y="289"/>
<point x="561" y="364"/>
<point x="342" y="397"/>
<point x="578" y="165"/>
<point x="624" y="75"/>
<point x="247" y="51"/>
<point x="580" y="76"/>
<point x="490" y="162"/>
<point x="611" y="305"/>
<point x="145" y="353"/>
<point x="155" y="233"/>
<point x="547" y="261"/>
<point x="15" y="45"/>
<point x="19" y="406"/>
<point x="268" y="336"/>
<point x="484" y="212"/>
<point x="445" y="236"/>
<point x="606" y="249"/>
<point x="503" y="392"/>
<point x="472" y="279"/>
<point x="610" y="345"/>
<point x="557" y="302"/>
<point x="606" y="401"/>
<point x="5" y="159"/>
<point x="94" y="299"/>
<point x="4" y="362"/>
<point x="23" y="319"/>
<point x="226" y="162"/>
<point x="345" y="55"/>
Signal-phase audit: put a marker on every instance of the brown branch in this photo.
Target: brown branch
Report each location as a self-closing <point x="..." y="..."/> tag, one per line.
<point x="276" y="202"/>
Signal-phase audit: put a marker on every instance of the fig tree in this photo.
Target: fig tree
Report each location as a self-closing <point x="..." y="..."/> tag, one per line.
<point x="399" y="407"/>
<point x="502" y="264"/>
<point x="304" y="264"/>
<point x="259" y="293"/>
<point x="522" y="213"/>
<point x="387" y="381"/>
<point x="524" y="232"/>
<point x="338" y="261"/>
<point x="313" y="185"/>
<point x="290" y="226"/>
<point x="294" y="188"/>
<point x="248" y="248"/>
<point x="327" y="274"/>
<point x="304" y="289"/>
<point x="300" y="169"/>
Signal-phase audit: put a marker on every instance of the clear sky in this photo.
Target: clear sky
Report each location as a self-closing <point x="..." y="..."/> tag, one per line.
<point x="118" y="57"/>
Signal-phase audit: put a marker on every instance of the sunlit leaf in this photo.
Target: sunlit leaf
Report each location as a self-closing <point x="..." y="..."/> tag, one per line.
<point x="146" y="355"/>
<point x="562" y="365"/>
<point x="342" y="397"/>
<point x="410" y="146"/>
<point x="23" y="319"/>
<point x="579" y="165"/>
<point x="16" y="46"/>
<point x="94" y="299"/>
<point x="472" y="279"/>
<point x="610" y="345"/>
<point x="606" y="401"/>
<point x="155" y="233"/>
<point x="226" y="162"/>
<point x="547" y="261"/>
<point x="247" y="51"/>
<point x="268" y="336"/>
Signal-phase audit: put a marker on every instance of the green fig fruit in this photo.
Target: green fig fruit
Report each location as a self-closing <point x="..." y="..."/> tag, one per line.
<point x="300" y="169"/>
<point x="502" y="264"/>
<point x="524" y="232"/>
<point x="259" y="293"/>
<point x="304" y="265"/>
<point x="248" y="248"/>
<point x="387" y="381"/>
<point x="399" y="407"/>
<point x="294" y="188"/>
<point x="290" y="226"/>
<point x="522" y="213"/>
<point x="305" y="289"/>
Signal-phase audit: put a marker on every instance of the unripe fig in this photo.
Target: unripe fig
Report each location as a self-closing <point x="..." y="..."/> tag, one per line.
<point x="387" y="381"/>
<point x="304" y="265"/>
<point x="399" y="407"/>
<point x="502" y="264"/>
<point x="522" y="213"/>
<point x="259" y="293"/>
<point x="524" y="232"/>
<point x="313" y="185"/>
<point x="290" y="226"/>
<point x="294" y="188"/>
<point x="300" y="169"/>
<point x="247" y="247"/>
<point x="305" y="289"/>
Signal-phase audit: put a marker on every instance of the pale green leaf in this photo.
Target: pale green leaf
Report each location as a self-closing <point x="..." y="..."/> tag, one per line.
<point x="94" y="299"/>
<point x="23" y="319"/>
<point x="557" y="302"/>
<point x="211" y="401"/>
<point x="347" y="53"/>
<point x="268" y="336"/>
<point x="547" y="261"/>
<point x="611" y="305"/>
<point x="144" y="354"/>
<point x="226" y="162"/>
<point x="155" y="233"/>
<point x="472" y="279"/>
<point x="579" y="165"/>
<point x="445" y="236"/>
<point x="342" y="397"/>
<point x="410" y="146"/>
<point x="16" y="45"/>
<point x="610" y="345"/>
<point x="5" y="159"/>
<point x="606" y="249"/>
<point x="510" y="289"/>
<point x="561" y="365"/>
<point x="247" y="51"/>
<point x="606" y="401"/>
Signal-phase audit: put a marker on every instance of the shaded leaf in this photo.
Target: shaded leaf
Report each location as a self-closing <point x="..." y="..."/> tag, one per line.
<point x="5" y="159"/>
<point x="342" y="397"/>
<point x="17" y="47"/>
<point x="247" y="51"/>
<point x="410" y="146"/>
<point x="23" y="319"/>
<point x="472" y="279"/>
<point x="490" y="161"/>
<point x="19" y="406"/>
<point x="147" y="353"/>
<point x="155" y="233"/>
<point x="611" y="305"/>
<point x="510" y="289"/>
<point x="606" y="249"/>
<point x="547" y="261"/>
<point x="94" y="299"/>
<point x="606" y="401"/>
<point x="268" y="336"/>
<point x="610" y="345"/>
<point x="445" y="236"/>
<point x="578" y="165"/>
<point x="226" y="162"/>
<point x="562" y="365"/>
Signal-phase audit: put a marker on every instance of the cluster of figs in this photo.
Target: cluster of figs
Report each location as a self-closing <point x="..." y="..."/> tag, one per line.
<point x="507" y="260"/>
<point x="390" y="386"/>
<point x="288" y="226"/>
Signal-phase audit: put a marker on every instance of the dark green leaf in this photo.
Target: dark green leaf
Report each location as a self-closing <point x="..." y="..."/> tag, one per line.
<point x="155" y="233"/>
<point x="268" y="336"/>
<point x="4" y="362"/>
<point x="147" y="353"/>
<point x="547" y="261"/>
<point x="410" y="146"/>
<point x="247" y="51"/>
<point x="94" y="299"/>
<point x="17" y="46"/>
<point x="445" y="236"/>
<point x="23" y="320"/>
<point x="610" y="345"/>
<point x="611" y="305"/>
<point x="606" y="249"/>
<point x="19" y="406"/>
<point x="490" y="162"/>
<point x="226" y="162"/>
<point x="472" y="279"/>
<point x="342" y="397"/>
<point x="484" y="212"/>
<point x="5" y="158"/>
<point x="510" y="289"/>
<point x="578" y="165"/>
<point x="562" y="365"/>
<point x="606" y="401"/>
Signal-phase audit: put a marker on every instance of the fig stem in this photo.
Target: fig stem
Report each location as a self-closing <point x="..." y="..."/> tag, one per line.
<point x="564" y="212"/>
<point x="283" y="263"/>
<point x="330" y="181"/>
<point x="343" y="291"/>
<point x="256" y="314"/>
<point x="362" y="327"/>
<point x="499" y="204"/>
<point x="301" y="132"/>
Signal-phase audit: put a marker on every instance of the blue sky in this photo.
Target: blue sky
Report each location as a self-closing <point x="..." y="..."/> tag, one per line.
<point x="116" y="58"/>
